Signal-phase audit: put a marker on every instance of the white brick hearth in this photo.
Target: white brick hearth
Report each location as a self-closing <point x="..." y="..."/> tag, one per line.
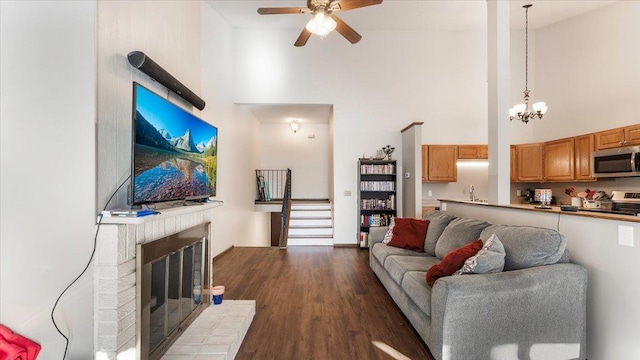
<point x="115" y="273"/>
<point x="216" y="334"/>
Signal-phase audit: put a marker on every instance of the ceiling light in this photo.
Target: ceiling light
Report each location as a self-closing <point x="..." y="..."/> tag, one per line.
<point x="295" y="125"/>
<point x="521" y="111"/>
<point x="321" y="23"/>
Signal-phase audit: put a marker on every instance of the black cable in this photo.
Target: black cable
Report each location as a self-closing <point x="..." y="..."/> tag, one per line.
<point x="93" y="252"/>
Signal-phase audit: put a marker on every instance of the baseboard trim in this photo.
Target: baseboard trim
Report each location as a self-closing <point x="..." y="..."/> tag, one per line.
<point x="345" y="245"/>
<point x="222" y="253"/>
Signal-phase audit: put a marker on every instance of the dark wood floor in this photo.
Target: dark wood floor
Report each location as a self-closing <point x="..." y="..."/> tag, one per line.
<point x="315" y="303"/>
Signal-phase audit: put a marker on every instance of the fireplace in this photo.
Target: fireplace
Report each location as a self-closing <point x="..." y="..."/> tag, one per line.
<point x="171" y="281"/>
<point x="118" y="310"/>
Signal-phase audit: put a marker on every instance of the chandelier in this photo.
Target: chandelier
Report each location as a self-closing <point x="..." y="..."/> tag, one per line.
<point x="521" y="111"/>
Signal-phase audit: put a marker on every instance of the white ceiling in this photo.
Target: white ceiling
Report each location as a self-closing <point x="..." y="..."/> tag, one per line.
<point x="390" y="15"/>
<point x="406" y="14"/>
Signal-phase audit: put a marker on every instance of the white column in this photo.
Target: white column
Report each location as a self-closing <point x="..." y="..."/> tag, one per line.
<point x="498" y="101"/>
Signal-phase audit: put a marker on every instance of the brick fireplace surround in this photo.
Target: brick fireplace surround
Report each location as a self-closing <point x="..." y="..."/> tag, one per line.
<point x="114" y="273"/>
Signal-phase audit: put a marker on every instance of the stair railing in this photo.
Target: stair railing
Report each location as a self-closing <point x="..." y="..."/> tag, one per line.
<point x="286" y="212"/>
<point x="271" y="184"/>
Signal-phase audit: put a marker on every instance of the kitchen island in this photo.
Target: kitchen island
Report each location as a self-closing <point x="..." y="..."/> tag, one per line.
<point x="553" y="210"/>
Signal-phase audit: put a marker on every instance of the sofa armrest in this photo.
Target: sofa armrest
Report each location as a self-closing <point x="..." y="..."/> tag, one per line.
<point x="376" y="234"/>
<point x="512" y="314"/>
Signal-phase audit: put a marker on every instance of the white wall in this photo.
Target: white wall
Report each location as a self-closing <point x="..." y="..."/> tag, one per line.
<point x="308" y="158"/>
<point x="388" y="80"/>
<point x="238" y="142"/>
<point x="47" y="181"/>
<point x="586" y="69"/>
<point x="612" y="311"/>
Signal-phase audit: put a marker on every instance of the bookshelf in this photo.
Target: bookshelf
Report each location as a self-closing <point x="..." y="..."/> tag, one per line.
<point x="377" y="186"/>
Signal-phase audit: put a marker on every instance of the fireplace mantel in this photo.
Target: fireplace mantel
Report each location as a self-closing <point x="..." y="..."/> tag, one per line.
<point x="114" y="272"/>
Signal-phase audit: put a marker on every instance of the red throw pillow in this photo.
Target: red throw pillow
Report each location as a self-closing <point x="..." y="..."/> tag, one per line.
<point x="409" y="234"/>
<point x="452" y="261"/>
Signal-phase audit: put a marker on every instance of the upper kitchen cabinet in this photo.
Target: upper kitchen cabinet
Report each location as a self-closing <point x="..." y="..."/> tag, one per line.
<point x="514" y="163"/>
<point x="559" y="161"/>
<point x="583" y="151"/>
<point x="529" y="162"/>
<point x="425" y="158"/>
<point x="625" y="136"/>
<point x="468" y="152"/>
<point x="441" y="163"/>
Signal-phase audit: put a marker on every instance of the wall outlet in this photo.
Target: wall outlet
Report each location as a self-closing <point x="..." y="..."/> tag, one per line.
<point x="347" y="193"/>
<point x="429" y="193"/>
<point x="443" y="206"/>
<point x="625" y="235"/>
<point x="518" y="192"/>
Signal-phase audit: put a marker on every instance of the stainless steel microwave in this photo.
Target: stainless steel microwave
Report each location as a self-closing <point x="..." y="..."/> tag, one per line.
<point x="617" y="162"/>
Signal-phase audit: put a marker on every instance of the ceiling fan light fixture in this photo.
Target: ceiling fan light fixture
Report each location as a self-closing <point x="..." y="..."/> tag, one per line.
<point x="321" y="24"/>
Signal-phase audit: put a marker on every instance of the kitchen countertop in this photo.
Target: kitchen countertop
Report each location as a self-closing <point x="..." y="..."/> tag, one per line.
<point x="554" y="210"/>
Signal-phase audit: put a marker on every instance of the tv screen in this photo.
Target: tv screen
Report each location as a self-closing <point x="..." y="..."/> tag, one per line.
<point x="174" y="153"/>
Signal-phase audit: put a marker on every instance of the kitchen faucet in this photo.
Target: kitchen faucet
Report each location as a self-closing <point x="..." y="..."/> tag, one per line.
<point x="472" y="195"/>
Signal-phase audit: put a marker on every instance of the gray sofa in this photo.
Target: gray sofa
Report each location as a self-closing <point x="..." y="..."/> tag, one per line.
<point x="534" y="309"/>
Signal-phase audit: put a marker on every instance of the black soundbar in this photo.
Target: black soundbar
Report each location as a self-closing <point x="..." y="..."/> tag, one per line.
<point x="142" y="62"/>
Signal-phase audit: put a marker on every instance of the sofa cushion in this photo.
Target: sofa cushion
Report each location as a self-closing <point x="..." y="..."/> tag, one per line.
<point x="527" y="246"/>
<point x="416" y="288"/>
<point x="398" y="265"/>
<point x="437" y="223"/>
<point x="389" y="233"/>
<point x="458" y="233"/>
<point x="381" y="252"/>
<point x="452" y="262"/>
<point x="409" y="233"/>
<point x="490" y="259"/>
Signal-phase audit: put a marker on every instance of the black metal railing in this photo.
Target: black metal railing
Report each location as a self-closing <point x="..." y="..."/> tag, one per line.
<point x="272" y="184"/>
<point x="286" y="211"/>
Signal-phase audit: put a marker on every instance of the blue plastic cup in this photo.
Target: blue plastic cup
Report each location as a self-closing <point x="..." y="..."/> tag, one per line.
<point x="217" y="292"/>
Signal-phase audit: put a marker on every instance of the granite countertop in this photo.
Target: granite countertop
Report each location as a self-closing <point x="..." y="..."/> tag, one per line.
<point x="554" y="209"/>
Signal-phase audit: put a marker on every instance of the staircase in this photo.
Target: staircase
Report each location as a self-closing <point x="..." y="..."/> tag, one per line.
<point x="310" y="224"/>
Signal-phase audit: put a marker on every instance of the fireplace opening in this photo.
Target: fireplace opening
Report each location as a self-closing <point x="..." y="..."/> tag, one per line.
<point x="172" y="275"/>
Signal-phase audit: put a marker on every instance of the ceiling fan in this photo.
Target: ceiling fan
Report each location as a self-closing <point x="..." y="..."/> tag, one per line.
<point x="323" y="21"/>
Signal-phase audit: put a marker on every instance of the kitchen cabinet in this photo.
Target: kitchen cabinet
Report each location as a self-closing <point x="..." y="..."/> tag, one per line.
<point x="473" y="151"/>
<point x="559" y="162"/>
<point x="425" y="158"/>
<point x="583" y="151"/>
<point x="442" y="163"/>
<point x="514" y="163"/>
<point x="530" y="165"/>
<point x="625" y="136"/>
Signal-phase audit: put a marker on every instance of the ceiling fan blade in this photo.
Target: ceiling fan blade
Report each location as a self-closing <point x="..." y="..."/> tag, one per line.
<point x="346" y="30"/>
<point x="287" y="10"/>
<point x="303" y="38"/>
<point x="345" y="5"/>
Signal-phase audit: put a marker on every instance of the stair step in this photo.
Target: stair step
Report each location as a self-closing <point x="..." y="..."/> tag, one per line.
<point x="311" y="232"/>
<point x="310" y="242"/>
<point x="310" y="236"/>
<point x="322" y="222"/>
<point x="311" y="214"/>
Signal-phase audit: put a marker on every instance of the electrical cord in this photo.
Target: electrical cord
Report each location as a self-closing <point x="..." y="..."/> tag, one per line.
<point x="93" y="252"/>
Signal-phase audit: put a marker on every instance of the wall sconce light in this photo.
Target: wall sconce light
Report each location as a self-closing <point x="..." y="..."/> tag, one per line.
<point x="295" y="125"/>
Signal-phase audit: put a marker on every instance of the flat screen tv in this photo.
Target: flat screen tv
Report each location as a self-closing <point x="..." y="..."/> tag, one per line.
<point x="174" y="153"/>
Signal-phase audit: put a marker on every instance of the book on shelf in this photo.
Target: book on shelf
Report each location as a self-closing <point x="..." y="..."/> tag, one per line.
<point x="377" y="185"/>
<point x="387" y="169"/>
<point x="375" y="220"/>
<point x="364" y="239"/>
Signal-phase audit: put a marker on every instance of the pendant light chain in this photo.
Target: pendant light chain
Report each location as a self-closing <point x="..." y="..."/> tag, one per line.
<point x="526" y="50"/>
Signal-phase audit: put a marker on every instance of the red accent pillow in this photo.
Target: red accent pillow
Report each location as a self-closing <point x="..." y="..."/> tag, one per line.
<point x="409" y="234"/>
<point x="452" y="261"/>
